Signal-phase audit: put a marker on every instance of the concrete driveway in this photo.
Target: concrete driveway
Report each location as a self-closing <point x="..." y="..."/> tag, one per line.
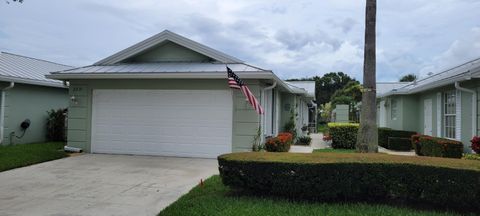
<point x="96" y="184"/>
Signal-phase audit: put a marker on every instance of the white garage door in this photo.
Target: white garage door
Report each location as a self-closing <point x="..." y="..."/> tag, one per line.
<point x="185" y="123"/>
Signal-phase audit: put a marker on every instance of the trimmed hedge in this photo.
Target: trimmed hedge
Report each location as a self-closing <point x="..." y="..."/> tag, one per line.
<point x="399" y="143"/>
<point x="437" y="147"/>
<point x="385" y="133"/>
<point x="357" y="177"/>
<point x="344" y="135"/>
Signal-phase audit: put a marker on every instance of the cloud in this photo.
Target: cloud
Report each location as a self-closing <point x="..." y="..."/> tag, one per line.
<point x="460" y="50"/>
<point x="294" y="39"/>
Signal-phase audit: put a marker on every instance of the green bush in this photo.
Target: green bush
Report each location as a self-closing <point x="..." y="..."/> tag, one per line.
<point x="304" y="140"/>
<point x="344" y="135"/>
<point x="56" y="125"/>
<point x="437" y="147"/>
<point x="357" y="177"/>
<point x="385" y="133"/>
<point x="471" y="157"/>
<point x="399" y="143"/>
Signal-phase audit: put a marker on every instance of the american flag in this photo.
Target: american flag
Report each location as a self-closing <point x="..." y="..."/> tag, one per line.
<point x="235" y="82"/>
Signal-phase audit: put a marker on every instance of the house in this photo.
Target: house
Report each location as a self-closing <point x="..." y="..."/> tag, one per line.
<point x="307" y="107"/>
<point x="168" y="95"/>
<point x="27" y="94"/>
<point x="444" y="104"/>
<point x="382" y="89"/>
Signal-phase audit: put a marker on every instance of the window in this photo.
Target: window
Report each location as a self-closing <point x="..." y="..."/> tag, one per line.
<point x="394" y="110"/>
<point x="449" y="113"/>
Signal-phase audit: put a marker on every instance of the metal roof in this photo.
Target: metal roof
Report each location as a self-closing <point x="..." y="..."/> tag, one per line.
<point x="308" y="86"/>
<point x="22" y="69"/>
<point x="384" y="87"/>
<point x="163" y="67"/>
<point x="465" y="71"/>
<point x="161" y="38"/>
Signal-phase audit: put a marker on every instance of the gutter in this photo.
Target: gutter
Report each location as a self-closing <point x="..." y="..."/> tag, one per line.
<point x="2" y="110"/>
<point x="474" y="106"/>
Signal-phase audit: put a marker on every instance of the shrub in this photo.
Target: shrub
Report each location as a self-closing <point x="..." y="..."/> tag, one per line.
<point x="471" y="157"/>
<point x="327" y="138"/>
<point x="56" y="125"/>
<point x="437" y="147"/>
<point x="475" y="144"/>
<point x="357" y="177"/>
<point x="304" y="140"/>
<point x="385" y="133"/>
<point x="399" y="143"/>
<point x="344" y="135"/>
<point x="416" y="144"/>
<point x="280" y="143"/>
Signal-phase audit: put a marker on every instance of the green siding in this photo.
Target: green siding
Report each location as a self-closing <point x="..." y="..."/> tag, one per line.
<point x="411" y="114"/>
<point x="287" y="102"/>
<point x="170" y="52"/>
<point x="30" y="102"/>
<point x="245" y="120"/>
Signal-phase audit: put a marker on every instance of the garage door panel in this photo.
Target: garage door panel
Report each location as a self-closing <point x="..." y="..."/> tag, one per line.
<point x="193" y="123"/>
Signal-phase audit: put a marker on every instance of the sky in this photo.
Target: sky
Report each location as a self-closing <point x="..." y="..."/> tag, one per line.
<point x="295" y="39"/>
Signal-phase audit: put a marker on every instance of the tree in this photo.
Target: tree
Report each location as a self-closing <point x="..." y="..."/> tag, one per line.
<point x="408" y="78"/>
<point x="367" y="139"/>
<point x="326" y="112"/>
<point x="352" y="90"/>
<point x="326" y="85"/>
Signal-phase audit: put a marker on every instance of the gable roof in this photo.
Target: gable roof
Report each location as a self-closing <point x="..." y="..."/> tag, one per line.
<point x="23" y="69"/>
<point x="162" y="37"/>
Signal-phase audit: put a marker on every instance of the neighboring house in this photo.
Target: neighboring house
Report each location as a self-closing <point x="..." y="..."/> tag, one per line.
<point x="382" y="89"/>
<point x="444" y="104"/>
<point x="27" y="94"/>
<point x="168" y="95"/>
<point x="307" y="108"/>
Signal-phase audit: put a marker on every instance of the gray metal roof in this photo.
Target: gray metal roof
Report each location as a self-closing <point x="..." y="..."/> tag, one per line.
<point x="384" y="87"/>
<point x="163" y="67"/>
<point x="465" y="71"/>
<point x="161" y="38"/>
<point x="308" y="86"/>
<point x="17" y="68"/>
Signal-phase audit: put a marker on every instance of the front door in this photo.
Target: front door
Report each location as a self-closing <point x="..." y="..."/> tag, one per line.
<point x="428" y="117"/>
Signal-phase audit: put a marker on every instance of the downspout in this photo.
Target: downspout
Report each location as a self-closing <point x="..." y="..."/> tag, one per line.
<point x="263" y="118"/>
<point x="474" y="106"/>
<point x="2" y="110"/>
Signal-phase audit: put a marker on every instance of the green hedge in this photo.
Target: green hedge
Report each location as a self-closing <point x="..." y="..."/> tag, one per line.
<point x="437" y="147"/>
<point x="344" y="135"/>
<point x="385" y="133"/>
<point x="399" y="143"/>
<point x="360" y="177"/>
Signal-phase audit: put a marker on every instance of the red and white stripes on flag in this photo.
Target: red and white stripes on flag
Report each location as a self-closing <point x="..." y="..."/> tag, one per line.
<point x="235" y="82"/>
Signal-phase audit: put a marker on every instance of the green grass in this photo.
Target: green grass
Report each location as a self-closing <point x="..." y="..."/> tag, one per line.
<point x="322" y="128"/>
<point x="334" y="150"/>
<point x="213" y="198"/>
<point x="14" y="156"/>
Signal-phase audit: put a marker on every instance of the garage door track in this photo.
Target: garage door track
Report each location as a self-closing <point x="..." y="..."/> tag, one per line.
<point x="96" y="184"/>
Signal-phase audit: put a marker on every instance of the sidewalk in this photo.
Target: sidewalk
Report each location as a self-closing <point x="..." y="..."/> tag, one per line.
<point x="317" y="143"/>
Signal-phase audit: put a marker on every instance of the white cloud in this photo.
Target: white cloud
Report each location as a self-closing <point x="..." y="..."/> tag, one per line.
<point x="294" y="38"/>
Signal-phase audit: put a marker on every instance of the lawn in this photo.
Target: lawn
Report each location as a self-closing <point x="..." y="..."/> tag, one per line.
<point x="14" y="156"/>
<point x="213" y="198"/>
<point x="334" y="150"/>
<point x="322" y="128"/>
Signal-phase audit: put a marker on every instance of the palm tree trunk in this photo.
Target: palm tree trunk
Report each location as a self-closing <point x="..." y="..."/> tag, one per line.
<point x="367" y="139"/>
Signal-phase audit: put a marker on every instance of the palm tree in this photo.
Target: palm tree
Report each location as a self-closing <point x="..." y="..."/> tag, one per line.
<point x="367" y="139"/>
